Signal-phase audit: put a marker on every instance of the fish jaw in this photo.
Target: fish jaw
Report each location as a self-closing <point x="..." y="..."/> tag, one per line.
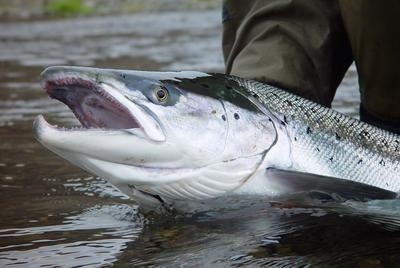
<point x="155" y="188"/>
<point x="114" y="146"/>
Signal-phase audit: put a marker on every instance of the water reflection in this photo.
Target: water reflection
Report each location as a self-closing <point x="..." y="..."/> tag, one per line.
<point x="268" y="234"/>
<point x="107" y="230"/>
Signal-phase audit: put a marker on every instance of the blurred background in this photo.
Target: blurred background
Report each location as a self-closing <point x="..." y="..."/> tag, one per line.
<point x="44" y="9"/>
<point x="55" y="214"/>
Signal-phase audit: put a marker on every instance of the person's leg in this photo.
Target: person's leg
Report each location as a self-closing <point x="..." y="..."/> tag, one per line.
<point x="374" y="32"/>
<point x="299" y="45"/>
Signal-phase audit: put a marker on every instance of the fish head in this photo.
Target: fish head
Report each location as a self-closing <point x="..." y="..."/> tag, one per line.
<point x="162" y="138"/>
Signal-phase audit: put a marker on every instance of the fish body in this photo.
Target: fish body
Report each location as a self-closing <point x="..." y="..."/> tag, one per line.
<point x="169" y="139"/>
<point x="326" y="142"/>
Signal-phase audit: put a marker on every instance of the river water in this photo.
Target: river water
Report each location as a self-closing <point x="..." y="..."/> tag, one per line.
<point x="56" y="215"/>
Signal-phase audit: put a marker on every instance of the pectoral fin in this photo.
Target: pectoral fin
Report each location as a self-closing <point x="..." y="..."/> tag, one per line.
<point x="338" y="189"/>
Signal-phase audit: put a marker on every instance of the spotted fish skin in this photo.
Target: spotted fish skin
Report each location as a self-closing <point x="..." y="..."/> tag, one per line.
<point x="326" y="142"/>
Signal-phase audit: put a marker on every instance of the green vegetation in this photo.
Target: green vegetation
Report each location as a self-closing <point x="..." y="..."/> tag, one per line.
<point x="14" y="10"/>
<point x="66" y="8"/>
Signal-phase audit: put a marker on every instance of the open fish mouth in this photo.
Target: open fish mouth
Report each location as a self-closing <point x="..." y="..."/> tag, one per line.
<point x="93" y="106"/>
<point x="98" y="105"/>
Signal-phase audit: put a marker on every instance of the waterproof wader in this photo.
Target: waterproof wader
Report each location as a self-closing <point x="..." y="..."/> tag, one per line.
<point x="306" y="46"/>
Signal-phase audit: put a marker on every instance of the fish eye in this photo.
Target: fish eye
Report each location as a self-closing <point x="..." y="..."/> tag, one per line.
<point x="161" y="94"/>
